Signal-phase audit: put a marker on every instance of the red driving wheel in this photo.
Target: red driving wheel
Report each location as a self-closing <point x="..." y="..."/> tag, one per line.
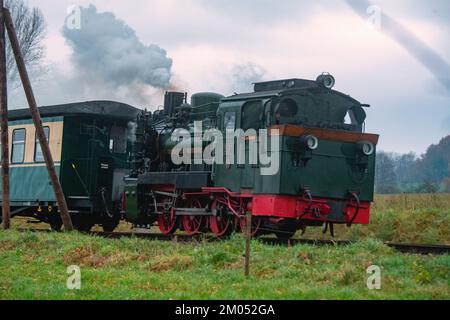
<point x="221" y="225"/>
<point x="193" y="224"/>
<point x="167" y="223"/>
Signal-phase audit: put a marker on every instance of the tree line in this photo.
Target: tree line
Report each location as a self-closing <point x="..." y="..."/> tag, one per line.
<point x="409" y="173"/>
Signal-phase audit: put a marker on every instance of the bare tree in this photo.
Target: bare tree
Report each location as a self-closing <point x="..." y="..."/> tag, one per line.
<point x="31" y="29"/>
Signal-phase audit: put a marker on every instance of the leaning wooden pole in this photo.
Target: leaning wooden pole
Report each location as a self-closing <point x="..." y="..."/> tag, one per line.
<point x="62" y="205"/>
<point x="248" y="239"/>
<point x="4" y="124"/>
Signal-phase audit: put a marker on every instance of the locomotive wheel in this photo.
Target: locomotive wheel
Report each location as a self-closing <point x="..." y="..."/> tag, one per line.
<point x="167" y="223"/>
<point x="284" y="235"/>
<point x="256" y="225"/>
<point x="284" y="229"/>
<point x="193" y="225"/>
<point x="84" y="227"/>
<point x="56" y="225"/>
<point x="221" y="225"/>
<point x="109" y="226"/>
<point x="82" y="223"/>
<point x="55" y="222"/>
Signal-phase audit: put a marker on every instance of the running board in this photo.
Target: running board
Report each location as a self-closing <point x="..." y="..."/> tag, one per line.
<point x="192" y="212"/>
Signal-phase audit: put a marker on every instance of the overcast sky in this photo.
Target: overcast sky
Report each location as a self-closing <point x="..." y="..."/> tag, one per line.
<point x="219" y="45"/>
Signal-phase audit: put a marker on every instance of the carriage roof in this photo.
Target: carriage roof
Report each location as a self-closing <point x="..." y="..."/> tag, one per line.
<point x="111" y="109"/>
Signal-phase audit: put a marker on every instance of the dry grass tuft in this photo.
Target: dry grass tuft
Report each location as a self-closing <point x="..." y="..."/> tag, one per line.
<point x="171" y="263"/>
<point x="86" y="256"/>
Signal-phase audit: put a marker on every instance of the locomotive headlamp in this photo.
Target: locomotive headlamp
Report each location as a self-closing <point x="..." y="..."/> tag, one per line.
<point x="326" y="80"/>
<point x="367" y="148"/>
<point x="310" y="142"/>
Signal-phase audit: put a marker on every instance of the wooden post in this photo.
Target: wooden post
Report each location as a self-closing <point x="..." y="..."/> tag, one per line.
<point x="62" y="205"/>
<point x="406" y="200"/>
<point x="248" y="239"/>
<point x="4" y="124"/>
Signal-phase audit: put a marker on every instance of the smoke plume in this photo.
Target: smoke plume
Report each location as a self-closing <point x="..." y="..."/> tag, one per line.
<point x="106" y="51"/>
<point x="244" y="75"/>
<point x="415" y="46"/>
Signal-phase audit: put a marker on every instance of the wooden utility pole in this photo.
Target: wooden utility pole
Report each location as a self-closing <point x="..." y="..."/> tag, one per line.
<point x="4" y="123"/>
<point x="62" y="205"/>
<point x="248" y="239"/>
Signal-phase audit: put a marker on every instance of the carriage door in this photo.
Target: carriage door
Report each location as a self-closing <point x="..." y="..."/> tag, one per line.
<point x="251" y="121"/>
<point x="105" y="180"/>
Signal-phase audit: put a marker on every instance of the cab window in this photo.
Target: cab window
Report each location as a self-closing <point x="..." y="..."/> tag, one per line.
<point x="38" y="155"/>
<point x="252" y="115"/>
<point x="229" y="122"/>
<point x="18" y="146"/>
<point x="286" y="110"/>
<point x="118" y="140"/>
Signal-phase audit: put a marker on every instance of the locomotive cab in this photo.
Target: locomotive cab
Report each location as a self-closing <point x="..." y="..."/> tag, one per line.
<point x="327" y="162"/>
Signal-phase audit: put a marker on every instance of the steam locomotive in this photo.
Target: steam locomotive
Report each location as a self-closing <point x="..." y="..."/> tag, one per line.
<point x="293" y="153"/>
<point x="324" y="173"/>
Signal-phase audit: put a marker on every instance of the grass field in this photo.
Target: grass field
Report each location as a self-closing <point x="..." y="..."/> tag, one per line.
<point x="412" y="218"/>
<point x="34" y="265"/>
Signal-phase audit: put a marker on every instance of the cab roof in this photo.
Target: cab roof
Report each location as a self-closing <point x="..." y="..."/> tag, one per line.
<point x="284" y="87"/>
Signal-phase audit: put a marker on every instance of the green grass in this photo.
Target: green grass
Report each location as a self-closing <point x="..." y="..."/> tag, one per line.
<point x="34" y="266"/>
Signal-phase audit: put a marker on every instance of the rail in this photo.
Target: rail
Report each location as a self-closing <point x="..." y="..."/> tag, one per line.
<point x="411" y="248"/>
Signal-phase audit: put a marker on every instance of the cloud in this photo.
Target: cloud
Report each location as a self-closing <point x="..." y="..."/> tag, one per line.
<point x="106" y="49"/>
<point x="437" y="11"/>
<point x="268" y="11"/>
<point x="426" y="55"/>
<point x="244" y="75"/>
<point x="446" y="124"/>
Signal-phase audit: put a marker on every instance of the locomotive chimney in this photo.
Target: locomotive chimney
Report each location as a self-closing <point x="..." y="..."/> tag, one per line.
<point x="173" y="100"/>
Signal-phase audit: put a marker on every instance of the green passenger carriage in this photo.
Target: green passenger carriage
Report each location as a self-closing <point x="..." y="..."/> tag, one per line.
<point x="90" y="145"/>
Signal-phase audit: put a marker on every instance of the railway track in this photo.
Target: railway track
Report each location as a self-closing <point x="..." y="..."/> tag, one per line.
<point x="401" y="247"/>
<point x="419" y="248"/>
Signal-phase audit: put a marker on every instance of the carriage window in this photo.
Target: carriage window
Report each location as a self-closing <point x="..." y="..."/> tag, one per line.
<point x="251" y="115"/>
<point x="18" y="146"/>
<point x="118" y="140"/>
<point x="230" y="121"/>
<point x="38" y="155"/>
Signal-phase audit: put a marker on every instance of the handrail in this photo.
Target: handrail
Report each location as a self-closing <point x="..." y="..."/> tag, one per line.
<point x="353" y="195"/>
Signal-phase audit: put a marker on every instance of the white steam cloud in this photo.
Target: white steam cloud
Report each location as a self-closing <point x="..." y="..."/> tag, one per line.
<point x="106" y="51"/>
